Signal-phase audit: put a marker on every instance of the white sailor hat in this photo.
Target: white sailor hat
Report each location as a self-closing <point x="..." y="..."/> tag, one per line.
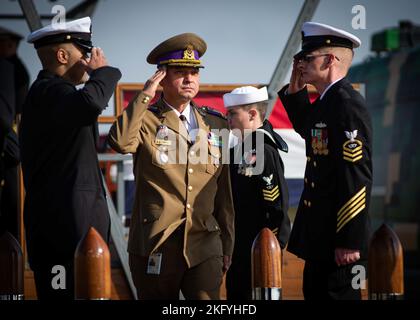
<point x="76" y="31"/>
<point x="317" y="35"/>
<point x="245" y="95"/>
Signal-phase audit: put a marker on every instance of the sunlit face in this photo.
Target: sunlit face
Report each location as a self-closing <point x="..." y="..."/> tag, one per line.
<point x="313" y="66"/>
<point x="239" y="118"/>
<point x="181" y="83"/>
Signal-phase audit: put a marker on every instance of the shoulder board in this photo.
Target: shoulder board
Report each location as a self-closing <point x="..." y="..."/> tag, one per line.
<point x="213" y="112"/>
<point x="153" y="108"/>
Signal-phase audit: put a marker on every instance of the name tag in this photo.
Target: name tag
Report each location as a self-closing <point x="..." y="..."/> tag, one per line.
<point x="154" y="263"/>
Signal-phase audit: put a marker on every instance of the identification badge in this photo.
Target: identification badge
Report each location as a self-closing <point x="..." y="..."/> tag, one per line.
<point x="154" y="263"/>
<point x="162" y="136"/>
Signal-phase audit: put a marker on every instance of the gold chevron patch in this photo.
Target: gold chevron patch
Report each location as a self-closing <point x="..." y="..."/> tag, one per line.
<point x="275" y="231"/>
<point x="271" y="195"/>
<point x="352" y="150"/>
<point x="351" y="209"/>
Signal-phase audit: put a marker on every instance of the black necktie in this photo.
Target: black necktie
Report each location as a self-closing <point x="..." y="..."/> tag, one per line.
<point x="184" y="120"/>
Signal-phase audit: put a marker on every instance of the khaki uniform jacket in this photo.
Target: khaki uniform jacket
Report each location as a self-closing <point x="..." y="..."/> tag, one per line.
<point x="176" y="182"/>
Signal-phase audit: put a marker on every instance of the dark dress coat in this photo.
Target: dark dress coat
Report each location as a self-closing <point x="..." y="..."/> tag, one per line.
<point x="64" y="190"/>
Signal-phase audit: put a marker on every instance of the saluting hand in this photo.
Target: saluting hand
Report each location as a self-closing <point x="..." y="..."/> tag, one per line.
<point x="296" y="82"/>
<point x="97" y="59"/>
<point x="152" y="83"/>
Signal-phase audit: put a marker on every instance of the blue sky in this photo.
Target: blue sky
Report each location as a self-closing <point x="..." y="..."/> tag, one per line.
<point x="245" y="38"/>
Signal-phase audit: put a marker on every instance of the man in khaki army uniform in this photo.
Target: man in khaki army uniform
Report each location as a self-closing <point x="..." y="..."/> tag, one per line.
<point x="182" y="229"/>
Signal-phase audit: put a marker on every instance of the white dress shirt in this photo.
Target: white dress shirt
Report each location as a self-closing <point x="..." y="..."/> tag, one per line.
<point x="190" y="122"/>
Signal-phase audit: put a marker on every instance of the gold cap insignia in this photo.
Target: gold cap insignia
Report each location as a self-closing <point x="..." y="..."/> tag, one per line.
<point x="189" y="53"/>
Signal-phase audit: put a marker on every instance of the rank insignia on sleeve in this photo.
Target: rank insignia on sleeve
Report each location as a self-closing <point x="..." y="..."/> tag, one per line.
<point x="271" y="192"/>
<point x="352" y="148"/>
<point x="319" y="139"/>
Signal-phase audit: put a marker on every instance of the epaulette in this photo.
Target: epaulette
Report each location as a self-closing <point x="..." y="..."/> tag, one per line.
<point x="213" y="112"/>
<point x="154" y="108"/>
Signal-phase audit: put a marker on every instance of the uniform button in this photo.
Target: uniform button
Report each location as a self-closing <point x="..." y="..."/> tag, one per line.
<point x="309" y="204"/>
<point x="190" y="170"/>
<point x="216" y="227"/>
<point x="164" y="149"/>
<point x="145" y="100"/>
<point x="314" y="163"/>
<point x="192" y="153"/>
<point x="2" y="183"/>
<point x="188" y="206"/>
<point x="308" y="159"/>
<point x="306" y="180"/>
<point x="145" y="220"/>
<point x="305" y="202"/>
<point x="189" y="188"/>
<point x="313" y="185"/>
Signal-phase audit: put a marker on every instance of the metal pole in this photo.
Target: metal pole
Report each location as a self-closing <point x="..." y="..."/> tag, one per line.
<point x="292" y="45"/>
<point x="31" y="15"/>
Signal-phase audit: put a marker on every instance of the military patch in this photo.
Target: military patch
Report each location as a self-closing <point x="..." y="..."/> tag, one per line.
<point x="268" y="181"/>
<point x="271" y="192"/>
<point x="352" y="148"/>
<point x="162" y="136"/>
<point x="319" y="139"/>
<point x="271" y="195"/>
<point x="351" y="209"/>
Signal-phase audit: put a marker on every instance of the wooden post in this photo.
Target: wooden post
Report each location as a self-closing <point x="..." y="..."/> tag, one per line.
<point x="385" y="266"/>
<point x="92" y="268"/>
<point x="11" y="268"/>
<point x="266" y="267"/>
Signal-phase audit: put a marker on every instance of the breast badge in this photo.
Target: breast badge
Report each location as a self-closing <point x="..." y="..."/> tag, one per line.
<point x="162" y="136"/>
<point x="319" y="139"/>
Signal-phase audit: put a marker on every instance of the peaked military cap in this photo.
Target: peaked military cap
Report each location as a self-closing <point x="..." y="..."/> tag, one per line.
<point x="76" y="31"/>
<point x="317" y="35"/>
<point x="183" y="50"/>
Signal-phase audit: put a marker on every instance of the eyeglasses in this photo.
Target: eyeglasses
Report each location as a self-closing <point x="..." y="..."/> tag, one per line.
<point x="310" y="57"/>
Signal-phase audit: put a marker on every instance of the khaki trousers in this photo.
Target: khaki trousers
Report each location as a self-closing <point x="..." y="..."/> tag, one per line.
<point x="201" y="282"/>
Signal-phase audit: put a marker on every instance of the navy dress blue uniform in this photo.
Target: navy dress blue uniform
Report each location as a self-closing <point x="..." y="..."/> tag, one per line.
<point x="260" y="200"/>
<point x="64" y="191"/>
<point x="333" y="210"/>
